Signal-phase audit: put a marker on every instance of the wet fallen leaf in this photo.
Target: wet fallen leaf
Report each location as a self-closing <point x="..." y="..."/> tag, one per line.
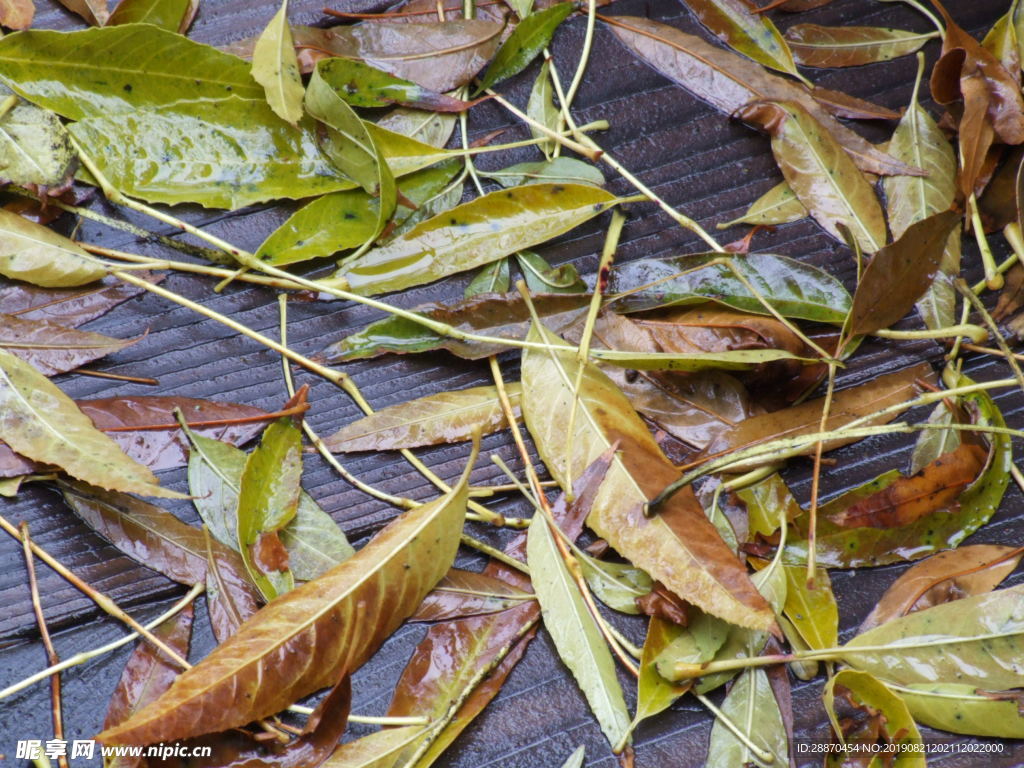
<point x="370" y="594"/>
<point x="34" y="148"/>
<point x="95" y="12"/>
<point x="561" y="170"/>
<point x="230" y="597"/>
<point x="70" y="307"/>
<point x="655" y="694"/>
<point x="816" y="46"/>
<point x="381" y="749"/>
<point x="466" y="593"/>
<point x="175" y="15"/>
<point x="17" y="14"/>
<point x="960" y="708"/>
<point x="53" y="349"/>
<point x="776" y="206"/>
<point x="754" y="35"/>
<point x="752" y="706"/>
<point x="444" y="418"/>
<point x="38" y="255"/>
<point x="541" y="108"/>
<point x="361" y="85"/>
<point x="530" y="36"/>
<point x="944" y="577"/>
<point x="275" y="67"/>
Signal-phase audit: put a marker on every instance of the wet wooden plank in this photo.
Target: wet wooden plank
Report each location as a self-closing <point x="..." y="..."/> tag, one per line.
<point x="692" y="156"/>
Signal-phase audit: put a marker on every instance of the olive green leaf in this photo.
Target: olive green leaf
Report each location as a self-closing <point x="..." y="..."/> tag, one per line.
<point x="752" y="34"/>
<point x="219" y="154"/>
<point x="932" y="443"/>
<point x="38" y="255"/>
<point x="961" y="708"/>
<point x="361" y="85"/>
<point x="541" y="108"/>
<point x="447" y="417"/>
<point x="474" y="233"/>
<point x="850" y="46"/>
<point x="529" y="38"/>
<point x="654" y="693"/>
<point x="40" y="422"/>
<point x="574" y="631"/>
<point x="779" y="205"/>
<point x="175" y="15"/>
<point x="495" y="277"/>
<point x="34" y="148"/>
<point x="541" y="277"/>
<point x="115" y="70"/>
<point x="564" y="170"/>
<point x="813" y="612"/>
<point x="617" y="585"/>
<point x="406" y="154"/>
<point x="381" y="749"/>
<point x="276" y="68"/>
<point x="431" y="128"/>
<point x="751" y="705"/>
<point x="696" y="644"/>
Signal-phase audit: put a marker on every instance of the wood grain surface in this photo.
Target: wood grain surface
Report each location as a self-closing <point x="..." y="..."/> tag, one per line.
<point x="695" y="158"/>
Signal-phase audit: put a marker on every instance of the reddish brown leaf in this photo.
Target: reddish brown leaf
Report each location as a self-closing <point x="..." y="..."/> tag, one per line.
<point x="230" y="597"/>
<point x="462" y="594"/>
<point x="662" y="603"/>
<point x="844" y="105"/>
<point x="51" y="348"/>
<point x="908" y="499"/>
<point x="70" y="307"/>
<point x="945" y="577"/>
<point x="269" y="553"/>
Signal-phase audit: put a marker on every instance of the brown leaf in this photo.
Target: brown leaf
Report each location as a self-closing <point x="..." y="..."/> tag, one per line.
<point x="944" y="577"/>
<point x="231" y="597"/>
<point x="728" y="82"/>
<point x="934" y="487"/>
<point x="844" y="105"/>
<point x="301" y="641"/>
<point x="850" y="46"/>
<point x="95" y="12"/>
<point x="847" y="405"/>
<point x="900" y="273"/>
<point x="998" y="206"/>
<point x="17" y="14"/>
<point x="53" y="349"/>
<point x="1011" y="298"/>
<point x="461" y="594"/>
<point x="147" y="675"/>
<point x="662" y="603"/>
<point x="70" y="307"/>
<point x="794" y="6"/>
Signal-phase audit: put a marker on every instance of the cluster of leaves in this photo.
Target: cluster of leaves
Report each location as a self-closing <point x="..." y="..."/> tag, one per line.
<point x="707" y="360"/>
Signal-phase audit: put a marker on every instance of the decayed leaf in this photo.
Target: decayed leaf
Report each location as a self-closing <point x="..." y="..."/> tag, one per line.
<point x="703" y="570"/>
<point x="152" y="536"/>
<point x="53" y="349"/>
<point x="575" y="633"/>
<point x="293" y="647"/>
<point x="847" y="405"/>
<point x="466" y="593"/>
<point x="776" y="206"/>
<point x="918" y="141"/>
<point x="868" y="692"/>
<point x="792" y="288"/>
<point x="40" y="422"/>
<point x="34" y="148"/>
<point x="95" y="12"/>
<point x="70" y="307"/>
<point x="275" y="67"/>
<point x="945" y="577"/>
<point x="448" y="417"/>
<point x="752" y="706"/>
<point x="175" y="15"/>
<point x="900" y="273"/>
<point x="38" y="255"/>
<point x="530" y="36"/>
<point x="147" y="675"/>
<point x="268" y="499"/>
<point x="844" y="105"/>
<point x="474" y="233"/>
<point x="314" y="542"/>
<point x="848" y="46"/>
<point x="752" y="34"/>
<point x="361" y="85"/>
<point x="728" y="82"/>
<point x="820" y="173"/>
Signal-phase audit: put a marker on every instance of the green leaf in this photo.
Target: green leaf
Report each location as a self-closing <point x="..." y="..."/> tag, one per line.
<point x="276" y="67"/>
<point x="314" y="542"/>
<point x="115" y="70"/>
<point x="736" y="360"/>
<point x="219" y="154"/>
<point x="448" y="417"/>
<point x="561" y="170"/>
<point x="932" y="443"/>
<point x="175" y="15"/>
<point x="918" y="141"/>
<point x="40" y="422"/>
<point x="679" y="546"/>
<point x="541" y="277"/>
<point x="754" y="35"/>
<point x="474" y="233"/>
<point x="751" y="705"/>
<point x="495" y="277"/>
<point x="779" y="205"/>
<point x="974" y="641"/>
<point x="696" y="644"/>
<point x="813" y="612"/>
<point x="431" y="128"/>
<point x="792" y="288"/>
<point x="960" y="708"/>
<point x="361" y="85"/>
<point x="820" y="172"/>
<point x="34" y="148"/>
<point x="381" y="749"/>
<point x="406" y="154"/>
<point x="851" y="46"/>
<point x="529" y="38"/>
<point x="870" y="692"/>
<point x="541" y="108"/>
<point x="574" y="631"/>
<point x="38" y="255"/>
<point x="617" y="585"/>
<point x="268" y="499"/>
<point x="655" y="694"/>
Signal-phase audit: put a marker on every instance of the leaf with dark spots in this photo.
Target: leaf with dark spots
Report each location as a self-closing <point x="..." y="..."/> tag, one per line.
<point x="276" y="68"/>
<point x="70" y="307"/>
<point x="364" y="86"/>
<point x="53" y="349"/>
<point x="461" y="594"/>
<point x="848" y="404"/>
<point x="147" y="675"/>
<point x="292" y="647"/>
<point x="473" y="234"/>
<point x="736" y="23"/>
<point x="906" y="500"/>
<point x="900" y="273"/>
<point x="501" y="315"/>
<point x="35" y="151"/>
<point x="152" y="536"/>
<point x="945" y="577"/>
<point x="447" y="417"/>
<point x="848" y="46"/>
<point x="819" y="172"/>
<point x="792" y="288"/>
<point x="530" y="36"/>
<point x="728" y="82"/>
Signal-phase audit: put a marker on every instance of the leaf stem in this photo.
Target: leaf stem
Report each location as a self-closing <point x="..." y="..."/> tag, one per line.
<point x="975" y="332"/>
<point x="735" y="730"/>
<point x="592" y="153"/>
<point x="993" y="277"/>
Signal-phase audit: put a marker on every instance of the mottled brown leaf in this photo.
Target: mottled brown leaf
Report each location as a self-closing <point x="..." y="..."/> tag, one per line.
<point x="53" y="349"/>
<point x="70" y="307"/>
<point x="461" y="594"/>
